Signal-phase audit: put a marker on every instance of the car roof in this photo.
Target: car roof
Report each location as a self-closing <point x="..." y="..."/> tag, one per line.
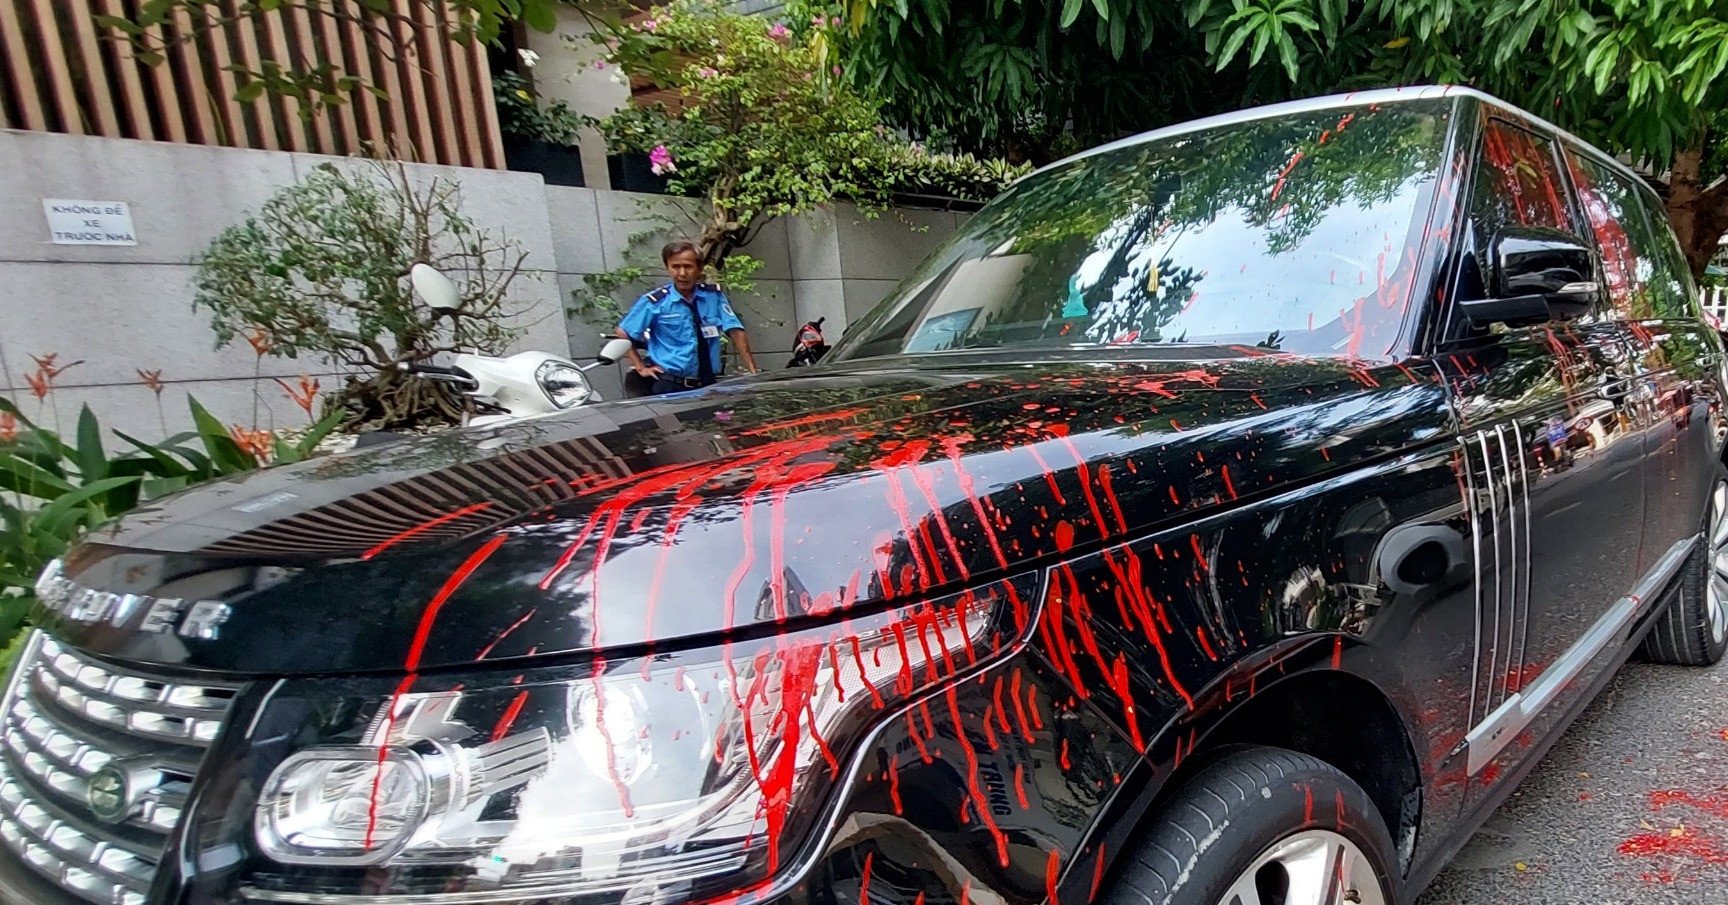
<point x="1338" y="101"/>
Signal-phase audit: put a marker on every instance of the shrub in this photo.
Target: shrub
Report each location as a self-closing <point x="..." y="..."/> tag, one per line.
<point x="54" y="489"/>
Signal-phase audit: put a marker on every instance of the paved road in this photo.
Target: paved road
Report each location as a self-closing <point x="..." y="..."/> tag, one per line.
<point x="1630" y="806"/>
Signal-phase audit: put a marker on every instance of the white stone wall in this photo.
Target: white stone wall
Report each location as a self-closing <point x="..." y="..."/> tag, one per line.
<point x="120" y="309"/>
<point x="566" y="72"/>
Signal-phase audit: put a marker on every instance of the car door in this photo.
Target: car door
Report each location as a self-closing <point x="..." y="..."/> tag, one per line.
<point x="1672" y="351"/>
<point x="1551" y="461"/>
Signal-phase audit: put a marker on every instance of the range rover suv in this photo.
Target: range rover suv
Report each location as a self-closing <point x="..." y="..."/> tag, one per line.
<point x="1232" y="514"/>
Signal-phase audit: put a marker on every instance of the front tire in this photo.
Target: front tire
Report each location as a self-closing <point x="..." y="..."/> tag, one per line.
<point x="1692" y="629"/>
<point x="1262" y="826"/>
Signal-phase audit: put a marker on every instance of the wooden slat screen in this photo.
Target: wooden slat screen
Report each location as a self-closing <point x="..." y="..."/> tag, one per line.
<point x="60" y="72"/>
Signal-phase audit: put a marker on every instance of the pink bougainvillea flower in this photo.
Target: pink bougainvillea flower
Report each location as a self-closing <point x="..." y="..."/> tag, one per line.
<point x="836" y="71"/>
<point x="818" y="21"/>
<point x="660" y="161"/>
<point x="650" y="24"/>
<point x="779" y="30"/>
<point x="707" y="72"/>
<point x="599" y="64"/>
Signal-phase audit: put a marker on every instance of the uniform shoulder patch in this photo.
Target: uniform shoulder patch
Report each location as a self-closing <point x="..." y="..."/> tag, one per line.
<point x="658" y="294"/>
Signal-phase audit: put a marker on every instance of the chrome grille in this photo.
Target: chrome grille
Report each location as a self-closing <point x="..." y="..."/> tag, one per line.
<point x="66" y="717"/>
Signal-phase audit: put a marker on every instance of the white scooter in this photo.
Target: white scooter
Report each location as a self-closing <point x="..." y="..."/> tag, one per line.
<point x="517" y="386"/>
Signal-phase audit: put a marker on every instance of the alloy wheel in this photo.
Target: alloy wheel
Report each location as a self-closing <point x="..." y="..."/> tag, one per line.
<point x="1716" y="591"/>
<point x="1314" y="867"/>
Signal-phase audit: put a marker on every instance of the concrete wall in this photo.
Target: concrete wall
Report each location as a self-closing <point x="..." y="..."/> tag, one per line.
<point x="124" y="308"/>
<point x="566" y="72"/>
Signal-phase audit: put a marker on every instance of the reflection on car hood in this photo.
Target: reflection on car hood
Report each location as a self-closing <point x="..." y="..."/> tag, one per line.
<point x="779" y="499"/>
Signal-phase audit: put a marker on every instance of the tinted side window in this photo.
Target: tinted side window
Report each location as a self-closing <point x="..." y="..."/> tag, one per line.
<point x="1675" y="291"/>
<point x="1519" y="183"/>
<point x="1637" y="252"/>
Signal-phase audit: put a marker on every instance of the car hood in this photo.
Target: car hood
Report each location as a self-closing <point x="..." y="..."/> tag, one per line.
<point x="782" y="499"/>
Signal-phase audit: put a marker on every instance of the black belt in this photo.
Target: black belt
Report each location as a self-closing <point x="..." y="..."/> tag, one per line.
<point x="689" y="383"/>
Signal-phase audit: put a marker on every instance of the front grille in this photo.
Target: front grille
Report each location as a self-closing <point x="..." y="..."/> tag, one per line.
<point x="68" y="717"/>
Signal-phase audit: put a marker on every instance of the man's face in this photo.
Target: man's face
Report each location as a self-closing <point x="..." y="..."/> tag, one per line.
<point x="684" y="268"/>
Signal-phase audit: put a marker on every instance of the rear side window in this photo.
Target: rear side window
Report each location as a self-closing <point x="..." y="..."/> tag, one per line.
<point x="1642" y="265"/>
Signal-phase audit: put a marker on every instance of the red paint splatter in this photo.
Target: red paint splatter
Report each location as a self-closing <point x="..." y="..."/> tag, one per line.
<point x="864" y="879"/>
<point x="1225" y="470"/>
<point x="487" y="650"/>
<point x="1052" y="868"/>
<point x="1715" y="805"/>
<point x="980" y="801"/>
<point x="1110" y="495"/>
<point x="1194" y="539"/>
<point x="430" y="614"/>
<point x="510" y="714"/>
<point x="1687" y="843"/>
<point x="1205" y="645"/>
<point x="1020" y="786"/>
<point x="1097" y="875"/>
<point x="423" y="527"/>
<point x="1064" y="535"/>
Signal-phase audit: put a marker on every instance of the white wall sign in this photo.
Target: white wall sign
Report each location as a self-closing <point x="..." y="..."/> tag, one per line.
<point x="89" y="222"/>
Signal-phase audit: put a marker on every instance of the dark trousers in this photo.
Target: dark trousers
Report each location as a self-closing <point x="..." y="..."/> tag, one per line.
<point x="664" y="385"/>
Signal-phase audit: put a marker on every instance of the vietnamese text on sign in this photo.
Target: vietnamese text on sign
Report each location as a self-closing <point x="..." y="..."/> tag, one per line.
<point x="89" y="222"/>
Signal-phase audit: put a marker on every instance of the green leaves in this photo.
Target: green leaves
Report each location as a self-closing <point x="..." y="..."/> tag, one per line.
<point x="1071" y="12"/>
<point x="53" y="492"/>
<point x="1267" y="23"/>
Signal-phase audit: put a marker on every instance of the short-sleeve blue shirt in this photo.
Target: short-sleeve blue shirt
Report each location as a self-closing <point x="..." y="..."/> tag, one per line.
<point x="662" y="318"/>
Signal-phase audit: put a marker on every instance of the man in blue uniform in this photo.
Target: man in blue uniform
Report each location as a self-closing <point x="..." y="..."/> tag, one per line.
<point x="681" y="323"/>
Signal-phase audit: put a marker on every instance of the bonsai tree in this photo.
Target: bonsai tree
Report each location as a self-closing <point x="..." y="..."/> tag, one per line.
<point x="323" y="269"/>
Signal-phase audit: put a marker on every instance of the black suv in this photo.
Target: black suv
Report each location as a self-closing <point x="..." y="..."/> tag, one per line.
<point x="1232" y="514"/>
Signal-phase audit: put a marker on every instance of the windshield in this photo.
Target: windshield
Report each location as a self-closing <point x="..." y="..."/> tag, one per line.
<point x="1297" y="233"/>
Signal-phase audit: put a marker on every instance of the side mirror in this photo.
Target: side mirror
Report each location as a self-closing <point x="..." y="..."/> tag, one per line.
<point x="438" y="290"/>
<point x="614" y="351"/>
<point x="1537" y="274"/>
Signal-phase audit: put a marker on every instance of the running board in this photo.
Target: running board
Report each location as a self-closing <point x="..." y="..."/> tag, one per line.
<point x="1490" y="737"/>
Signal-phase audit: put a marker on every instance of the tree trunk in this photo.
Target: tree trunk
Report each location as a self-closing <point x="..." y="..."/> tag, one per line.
<point x="1699" y="215"/>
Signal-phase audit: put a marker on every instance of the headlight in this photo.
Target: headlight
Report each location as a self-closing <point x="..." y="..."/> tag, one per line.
<point x="677" y="777"/>
<point x="563" y="383"/>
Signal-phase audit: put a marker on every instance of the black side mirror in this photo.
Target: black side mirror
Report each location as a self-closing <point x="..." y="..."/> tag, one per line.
<point x="1538" y="274"/>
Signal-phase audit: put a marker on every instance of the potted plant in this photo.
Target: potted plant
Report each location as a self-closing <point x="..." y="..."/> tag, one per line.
<point x="538" y="138"/>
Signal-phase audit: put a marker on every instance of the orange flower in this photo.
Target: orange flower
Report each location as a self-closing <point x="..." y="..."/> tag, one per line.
<point x="8" y="427"/>
<point x="48" y="369"/>
<point x="259" y="444"/>
<point x="259" y="339"/>
<point x="152" y="379"/>
<point x="305" y="395"/>
<point x="39" y="384"/>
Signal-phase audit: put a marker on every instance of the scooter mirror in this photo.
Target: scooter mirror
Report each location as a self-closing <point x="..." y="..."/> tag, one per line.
<point x="614" y="351"/>
<point x="438" y="290"/>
